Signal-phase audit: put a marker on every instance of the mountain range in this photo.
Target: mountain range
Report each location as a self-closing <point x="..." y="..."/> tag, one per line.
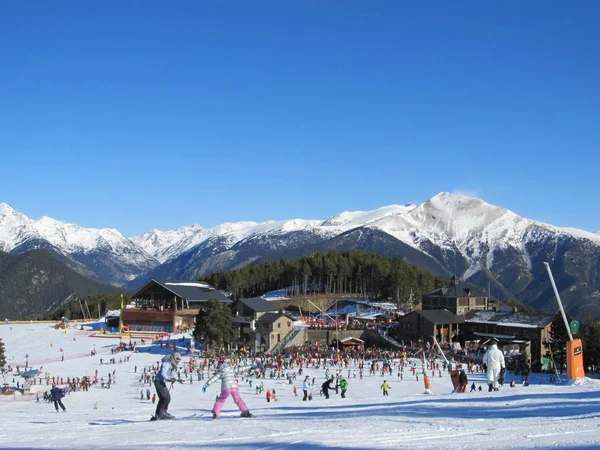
<point x="449" y="234"/>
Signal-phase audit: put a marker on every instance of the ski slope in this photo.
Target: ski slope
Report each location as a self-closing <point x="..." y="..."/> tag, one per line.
<point x="539" y="416"/>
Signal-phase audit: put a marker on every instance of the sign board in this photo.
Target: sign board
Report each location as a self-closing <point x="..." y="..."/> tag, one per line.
<point x="574" y="325"/>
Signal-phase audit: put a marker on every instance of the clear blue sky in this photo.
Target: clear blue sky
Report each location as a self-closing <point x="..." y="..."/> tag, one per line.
<point x="157" y="114"/>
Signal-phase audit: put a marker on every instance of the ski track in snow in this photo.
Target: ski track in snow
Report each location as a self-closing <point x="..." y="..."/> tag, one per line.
<point x="541" y="416"/>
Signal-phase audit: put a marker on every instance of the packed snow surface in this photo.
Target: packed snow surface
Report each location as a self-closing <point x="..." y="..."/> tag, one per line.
<point x="540" y="416"/>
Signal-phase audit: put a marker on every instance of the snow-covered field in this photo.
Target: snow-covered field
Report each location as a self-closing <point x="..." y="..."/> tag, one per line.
<point x="538" y="416"/>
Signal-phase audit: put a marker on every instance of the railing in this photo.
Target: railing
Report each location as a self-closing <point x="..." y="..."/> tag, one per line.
<point x="390" y="339"/>
<point x="287" y="341"/>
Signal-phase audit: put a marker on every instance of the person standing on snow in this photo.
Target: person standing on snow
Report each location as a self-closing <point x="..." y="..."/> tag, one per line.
<point x="56" y="395"/>
<point x="165" y="374"/>
<point x="386" y="387"/>
<point x="326" y="387"/>
<point x="494" y="360"/>
<point x="343" y="386"/>
<point x="306" y="387"/>
<point x="228" y="387"/>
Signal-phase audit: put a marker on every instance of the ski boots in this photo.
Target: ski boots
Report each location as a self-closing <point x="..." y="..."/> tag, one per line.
<point x="215" y="416"/>
<point x="165" y="416"/>
<point x="246" y="414"/>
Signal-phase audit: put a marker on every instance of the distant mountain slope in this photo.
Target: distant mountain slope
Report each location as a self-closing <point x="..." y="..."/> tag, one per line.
<point x="102" y="254"/>
<point x="448" y="234"/>
<point x="36" y="283"/>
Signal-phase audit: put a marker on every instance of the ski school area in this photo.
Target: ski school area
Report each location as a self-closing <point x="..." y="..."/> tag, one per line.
<point x="113" y="411"/>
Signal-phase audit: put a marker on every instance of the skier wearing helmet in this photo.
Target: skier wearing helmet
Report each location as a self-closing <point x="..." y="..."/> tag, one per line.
<point x="228" y="387"/>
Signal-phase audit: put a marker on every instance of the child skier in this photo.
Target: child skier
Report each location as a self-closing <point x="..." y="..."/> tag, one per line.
<point x="228" y="387"/>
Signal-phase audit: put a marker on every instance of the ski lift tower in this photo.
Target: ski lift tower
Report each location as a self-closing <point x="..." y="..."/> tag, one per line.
<point x="574" y="346"/>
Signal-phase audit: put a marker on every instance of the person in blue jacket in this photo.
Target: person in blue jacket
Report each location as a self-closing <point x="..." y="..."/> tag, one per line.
<point x="165" y="374"/>
<point x="56" y="395"/>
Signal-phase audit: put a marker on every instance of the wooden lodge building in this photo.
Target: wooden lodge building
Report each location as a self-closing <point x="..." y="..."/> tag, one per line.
<point x="168" y="306"/>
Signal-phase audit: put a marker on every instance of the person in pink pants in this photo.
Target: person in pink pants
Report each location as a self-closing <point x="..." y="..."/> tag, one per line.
<point x="228" y="387"/>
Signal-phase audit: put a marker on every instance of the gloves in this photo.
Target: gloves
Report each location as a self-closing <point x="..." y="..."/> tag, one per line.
<point x="204" y="389"/>
<point x="172" y="380"/>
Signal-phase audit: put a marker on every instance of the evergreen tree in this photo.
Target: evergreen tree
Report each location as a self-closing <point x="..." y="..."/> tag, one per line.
<point x="2" y="355"/>
<point x="352" y="272"/>
<point x="591" y="343"/>
<point x="557" y="344"/>
<point x="214" y="325"/>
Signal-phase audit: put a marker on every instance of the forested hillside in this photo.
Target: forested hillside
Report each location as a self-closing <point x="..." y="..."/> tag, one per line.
<point x="35" y="284"/>
<point x="349" y="273"/>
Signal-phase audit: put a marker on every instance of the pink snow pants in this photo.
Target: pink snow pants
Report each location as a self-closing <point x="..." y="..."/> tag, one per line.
<point x="236" y="398"/>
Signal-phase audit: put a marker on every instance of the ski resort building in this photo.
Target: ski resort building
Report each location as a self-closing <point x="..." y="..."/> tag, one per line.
<point x="423" y="325"/>
<point x="457" y="297"/>
<point x="246" y="312"/>
<point x="271" y="329"/>
<point x="168" y="306"/>
<point x="522" y="334"/>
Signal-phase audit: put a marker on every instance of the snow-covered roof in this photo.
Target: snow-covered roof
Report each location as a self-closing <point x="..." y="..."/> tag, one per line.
<point x="509" y="319"/>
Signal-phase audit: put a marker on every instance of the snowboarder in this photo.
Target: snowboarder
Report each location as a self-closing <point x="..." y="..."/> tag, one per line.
<point x="57" y="394"/>
<point x="494" y="360"/>
<point x="228" y="387"/>
<point x="165" y="374"/>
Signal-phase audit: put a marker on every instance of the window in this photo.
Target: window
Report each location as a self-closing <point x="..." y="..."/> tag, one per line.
<point x="279" y="325"/>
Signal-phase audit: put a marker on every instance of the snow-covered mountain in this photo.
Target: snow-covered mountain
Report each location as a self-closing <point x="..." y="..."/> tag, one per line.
<point x="487" y="245"/>
<point x="102" y="254"/>
<point x="449" y="234"/>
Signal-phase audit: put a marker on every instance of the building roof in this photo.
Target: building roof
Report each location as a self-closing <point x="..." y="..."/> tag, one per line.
<point x="440" y="316"/>
<point x="258" y="304"/>
<point x="457" y="289"/>
<point x="188" y="290"/>
<point x="510" y="319"/>
<point x="271" y="317"/>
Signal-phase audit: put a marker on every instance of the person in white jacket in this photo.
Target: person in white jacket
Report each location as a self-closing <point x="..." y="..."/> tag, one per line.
<point x="226" y="374"/>
<point x="306" y="387"/>
<point x="494" y="361"/>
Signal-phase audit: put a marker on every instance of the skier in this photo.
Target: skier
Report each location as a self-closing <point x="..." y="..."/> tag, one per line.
<point x="228" y="387"/>
<point x="325" y="387"/>
<point x="386" y="387"/>
<point x="56" y="395"/>
<point x="165" y="374"/>
<point x="343" y="386"/>
<point x="494" y="360"/>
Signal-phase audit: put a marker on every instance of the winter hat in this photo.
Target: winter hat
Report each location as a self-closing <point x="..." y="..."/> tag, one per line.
<point x="177" y="356"/>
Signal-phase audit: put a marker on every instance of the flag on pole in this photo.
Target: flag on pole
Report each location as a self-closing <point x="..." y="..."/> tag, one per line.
<point x="121" y="301"/>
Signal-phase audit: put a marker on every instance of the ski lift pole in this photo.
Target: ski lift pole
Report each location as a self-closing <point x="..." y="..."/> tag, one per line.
<point x="575" y="367"/>
<point x="440" y="350"/>
<point x="562" y="311"/>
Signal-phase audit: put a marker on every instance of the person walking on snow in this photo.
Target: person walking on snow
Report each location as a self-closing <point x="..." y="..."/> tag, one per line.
<point x="228" y="387"/>
<point x="165" y="374"/>
<point x="494" y="360"/>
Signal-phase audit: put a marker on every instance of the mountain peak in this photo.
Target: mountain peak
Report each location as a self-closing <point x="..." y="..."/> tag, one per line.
<point x="5" y="209"/>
